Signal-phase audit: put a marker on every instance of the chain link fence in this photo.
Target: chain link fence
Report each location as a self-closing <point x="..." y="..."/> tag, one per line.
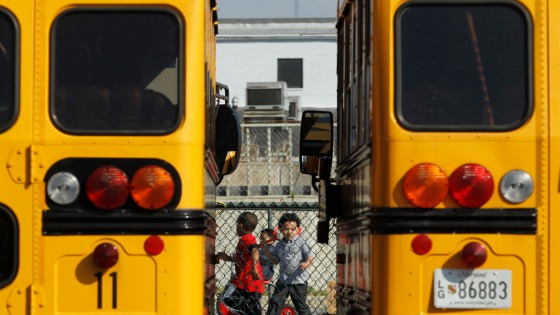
<point x="268" y="183"/>
<point x="269" y="165"/>
<point x="320" y="293"/>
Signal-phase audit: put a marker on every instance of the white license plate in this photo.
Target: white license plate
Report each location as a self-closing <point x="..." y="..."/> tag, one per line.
<point x="472" y="288"/>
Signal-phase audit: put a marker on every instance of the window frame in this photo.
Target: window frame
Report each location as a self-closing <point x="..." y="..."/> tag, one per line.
<point x="181" y="71"/>
<point x="16" y="75"/>
<point x="279" y="60"/>
<point x="398" y="70"/>
<point x="12" y="271"/>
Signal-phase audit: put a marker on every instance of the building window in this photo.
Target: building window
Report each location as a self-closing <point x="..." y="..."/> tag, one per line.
<point x="291" y="71"/>
<point x="293" y="109"/>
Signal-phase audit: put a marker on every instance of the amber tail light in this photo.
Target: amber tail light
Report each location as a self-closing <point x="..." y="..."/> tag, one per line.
<point x="152" y="187"/>
<point x="425" y="185"/>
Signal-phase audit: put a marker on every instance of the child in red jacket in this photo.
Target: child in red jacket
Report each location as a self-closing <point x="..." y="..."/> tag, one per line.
<point x="248" y="272"/>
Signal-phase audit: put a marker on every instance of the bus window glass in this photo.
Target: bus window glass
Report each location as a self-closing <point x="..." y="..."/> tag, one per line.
<point x="8" y="247"/>
<point x="116" y="72"/>
<point x="8" y="103"/>
<point x="463" y="67"/>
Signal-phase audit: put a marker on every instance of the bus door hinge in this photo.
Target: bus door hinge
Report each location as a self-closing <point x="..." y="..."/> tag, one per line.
<point x="25" y="165"/>
<point x="18" y="164"/>
<point x="38" y="302"/>
<point x="17" y="301"/>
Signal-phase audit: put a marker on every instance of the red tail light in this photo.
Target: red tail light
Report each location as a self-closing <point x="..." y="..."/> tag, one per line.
<point x="105" y="255"/>
<point x="107" y="187"/>
<point x="425" y="185"/>
<point x="471" y="185"/>
<point x="152" y="187"/>
<point x="474" y="254"/>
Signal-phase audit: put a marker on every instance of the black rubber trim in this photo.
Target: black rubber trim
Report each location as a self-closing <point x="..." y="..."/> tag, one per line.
<point x="404" y="221"/>
<point x="9" y="246"/>
<point x="82" y="222"/>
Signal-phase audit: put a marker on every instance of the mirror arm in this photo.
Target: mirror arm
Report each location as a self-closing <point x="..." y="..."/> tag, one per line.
<point x="314" y="181"/>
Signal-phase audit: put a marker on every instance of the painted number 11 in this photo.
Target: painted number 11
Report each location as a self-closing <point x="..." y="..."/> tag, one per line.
<point x="99" y="277"/>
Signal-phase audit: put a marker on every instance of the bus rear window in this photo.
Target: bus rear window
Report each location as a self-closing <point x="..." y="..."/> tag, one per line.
<point x="463" y="67"/>
<point x="116" y="72"/>
<point x="8" y="247"/>
<point x="8" y="66"/>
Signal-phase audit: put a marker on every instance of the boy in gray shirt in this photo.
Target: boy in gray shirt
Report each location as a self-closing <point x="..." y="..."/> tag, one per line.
<point x="267" y="240"/>
<point x="294" y="256"/>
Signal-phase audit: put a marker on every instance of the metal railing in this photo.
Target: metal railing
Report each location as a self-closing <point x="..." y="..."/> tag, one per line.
<point x="269" y="164"/>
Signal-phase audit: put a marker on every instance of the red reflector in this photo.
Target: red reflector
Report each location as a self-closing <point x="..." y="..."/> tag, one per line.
<point x="288" y="310"/>
<point x="105" y="255"/>
<point x="152" y="187"/>
<point x="425" y="185"/>
<point x="474" y="254"/>
<point x="421" y="244"/>
<point x="471" y="185"/>
<point x="154" y="245"/>
<point x="107" y="187"/>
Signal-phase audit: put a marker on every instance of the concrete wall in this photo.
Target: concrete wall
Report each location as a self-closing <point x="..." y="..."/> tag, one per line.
<point x="254" y="59"/>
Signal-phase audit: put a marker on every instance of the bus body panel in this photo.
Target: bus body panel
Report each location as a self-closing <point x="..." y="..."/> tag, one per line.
<point x="411" y="287"/>
<point x="138" y="283"/>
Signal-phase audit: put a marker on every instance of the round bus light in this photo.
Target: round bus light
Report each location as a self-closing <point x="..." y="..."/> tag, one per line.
<point x="474" y="254"/>
<point x="63" y="188"/>
<point x="425" y="185"/>
<point x="516" y="186"/>
<point x="152" y="187"/>
<point x="105" y="255"/>
<point x="471" y="185"/>
<point x="107" y="187"/>
<point x="154" y="245"/>
<point x="421" y="244"/>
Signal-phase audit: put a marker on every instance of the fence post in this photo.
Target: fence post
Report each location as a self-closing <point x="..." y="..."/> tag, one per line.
<point x="270" y="218"/>
<point x="269" y="153"/>
<point x="290" y="150"/>
<point x="248" y="152"/>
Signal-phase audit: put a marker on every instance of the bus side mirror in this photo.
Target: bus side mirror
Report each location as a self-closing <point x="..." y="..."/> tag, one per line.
<point x="315" y="158"/>
<point x="228" y="140"/>
<point x="316" y="140"/>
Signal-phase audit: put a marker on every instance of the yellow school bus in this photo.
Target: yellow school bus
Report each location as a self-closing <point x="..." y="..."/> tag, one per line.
<point x="445" y="189"/>
<point x="113" y="136"/>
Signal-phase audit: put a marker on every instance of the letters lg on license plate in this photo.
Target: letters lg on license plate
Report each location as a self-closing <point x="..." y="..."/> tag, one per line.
<point x="472" y="288"/>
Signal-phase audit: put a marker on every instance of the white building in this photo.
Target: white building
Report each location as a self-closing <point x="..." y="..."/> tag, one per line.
<point x="301" y="52"/>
